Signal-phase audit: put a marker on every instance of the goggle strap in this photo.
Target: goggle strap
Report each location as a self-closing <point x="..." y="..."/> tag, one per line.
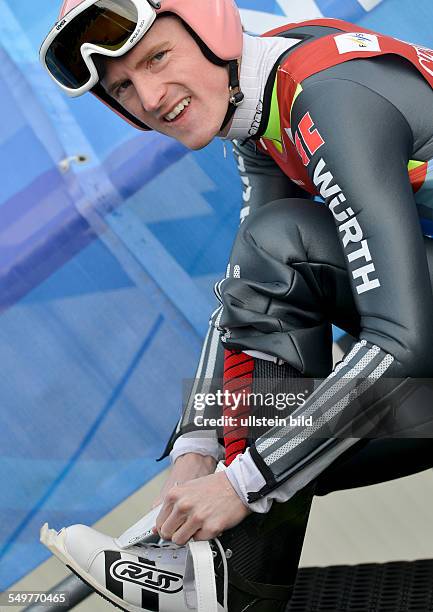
<point x="236" y="95"/>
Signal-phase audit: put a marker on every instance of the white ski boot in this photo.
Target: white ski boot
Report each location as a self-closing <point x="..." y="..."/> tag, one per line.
<point x="136" y="575"/>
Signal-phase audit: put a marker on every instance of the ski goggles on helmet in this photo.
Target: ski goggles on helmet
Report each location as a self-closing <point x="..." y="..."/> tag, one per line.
<point x="105" y="27"/>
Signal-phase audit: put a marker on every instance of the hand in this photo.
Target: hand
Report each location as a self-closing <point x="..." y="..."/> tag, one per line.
<point x="186" y="467"/>
<point x="201" y="509"/>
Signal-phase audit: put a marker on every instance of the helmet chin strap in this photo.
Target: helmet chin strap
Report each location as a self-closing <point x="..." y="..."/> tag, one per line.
<point x="236" y="95"/>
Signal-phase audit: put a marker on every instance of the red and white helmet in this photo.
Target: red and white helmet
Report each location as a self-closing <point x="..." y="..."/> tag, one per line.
<point x="113" y="27"/>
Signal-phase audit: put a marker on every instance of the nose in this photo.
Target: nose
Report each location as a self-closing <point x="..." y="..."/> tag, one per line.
<point x="151" y="93"/>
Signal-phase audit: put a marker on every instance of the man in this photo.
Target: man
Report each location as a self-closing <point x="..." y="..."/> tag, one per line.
<point x="315" y="108"/>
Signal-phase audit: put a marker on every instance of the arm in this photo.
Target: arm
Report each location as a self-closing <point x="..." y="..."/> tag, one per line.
<point x="361" y="171"/>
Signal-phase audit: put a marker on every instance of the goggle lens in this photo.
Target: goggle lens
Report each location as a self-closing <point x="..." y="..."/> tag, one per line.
<point x="109" y="24"/>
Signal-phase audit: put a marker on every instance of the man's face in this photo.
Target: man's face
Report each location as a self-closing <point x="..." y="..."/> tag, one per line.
<point x="166" y="73"/>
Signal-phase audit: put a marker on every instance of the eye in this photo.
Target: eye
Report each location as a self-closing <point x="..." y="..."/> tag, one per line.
<point x="122" y="88"/>
<point x="159" y="56"/>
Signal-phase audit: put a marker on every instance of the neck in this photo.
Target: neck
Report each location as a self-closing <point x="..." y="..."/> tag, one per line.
<point x="259" y="56"/>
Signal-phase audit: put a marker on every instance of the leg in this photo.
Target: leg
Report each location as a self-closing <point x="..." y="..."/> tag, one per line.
<point x="292" y="246"/>
<point x="377" y="461"/>
<point x="291" y="249"/>
<point x="266" y="547"/>
<point x="264" y="555"/>
<point x="293" y="283"/>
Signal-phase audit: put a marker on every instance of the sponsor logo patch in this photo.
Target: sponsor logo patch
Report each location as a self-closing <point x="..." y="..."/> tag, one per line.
<point x="356" y="41"/>
<point x="147" y="576"/>
<point x="310" y="136"/>
<point x="351" y="234"/>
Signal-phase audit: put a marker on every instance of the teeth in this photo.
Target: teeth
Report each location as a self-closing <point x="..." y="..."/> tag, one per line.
<point x="179" y="108"/>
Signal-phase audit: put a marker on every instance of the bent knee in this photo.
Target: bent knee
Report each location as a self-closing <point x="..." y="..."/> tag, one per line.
<point x="291" y="229"/>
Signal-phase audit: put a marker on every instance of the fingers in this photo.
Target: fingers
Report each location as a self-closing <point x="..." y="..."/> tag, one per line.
<point x="202" y="509"/>
<point x="172" y="524"/>
<point x="173" y="513"/>
<point x="185" y="532"/>
<point x="197" y="528"/>
<point x="163" y="515"/>
<point x="178" y="521"/>
<point x="208" y="531"/>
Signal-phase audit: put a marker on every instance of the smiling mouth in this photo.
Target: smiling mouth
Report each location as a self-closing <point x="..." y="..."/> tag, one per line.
<point x="178" y="110"/>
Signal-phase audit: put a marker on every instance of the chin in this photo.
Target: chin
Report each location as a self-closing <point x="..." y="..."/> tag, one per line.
<point x="200" y="139"/>
<point x="196" y="146"/>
